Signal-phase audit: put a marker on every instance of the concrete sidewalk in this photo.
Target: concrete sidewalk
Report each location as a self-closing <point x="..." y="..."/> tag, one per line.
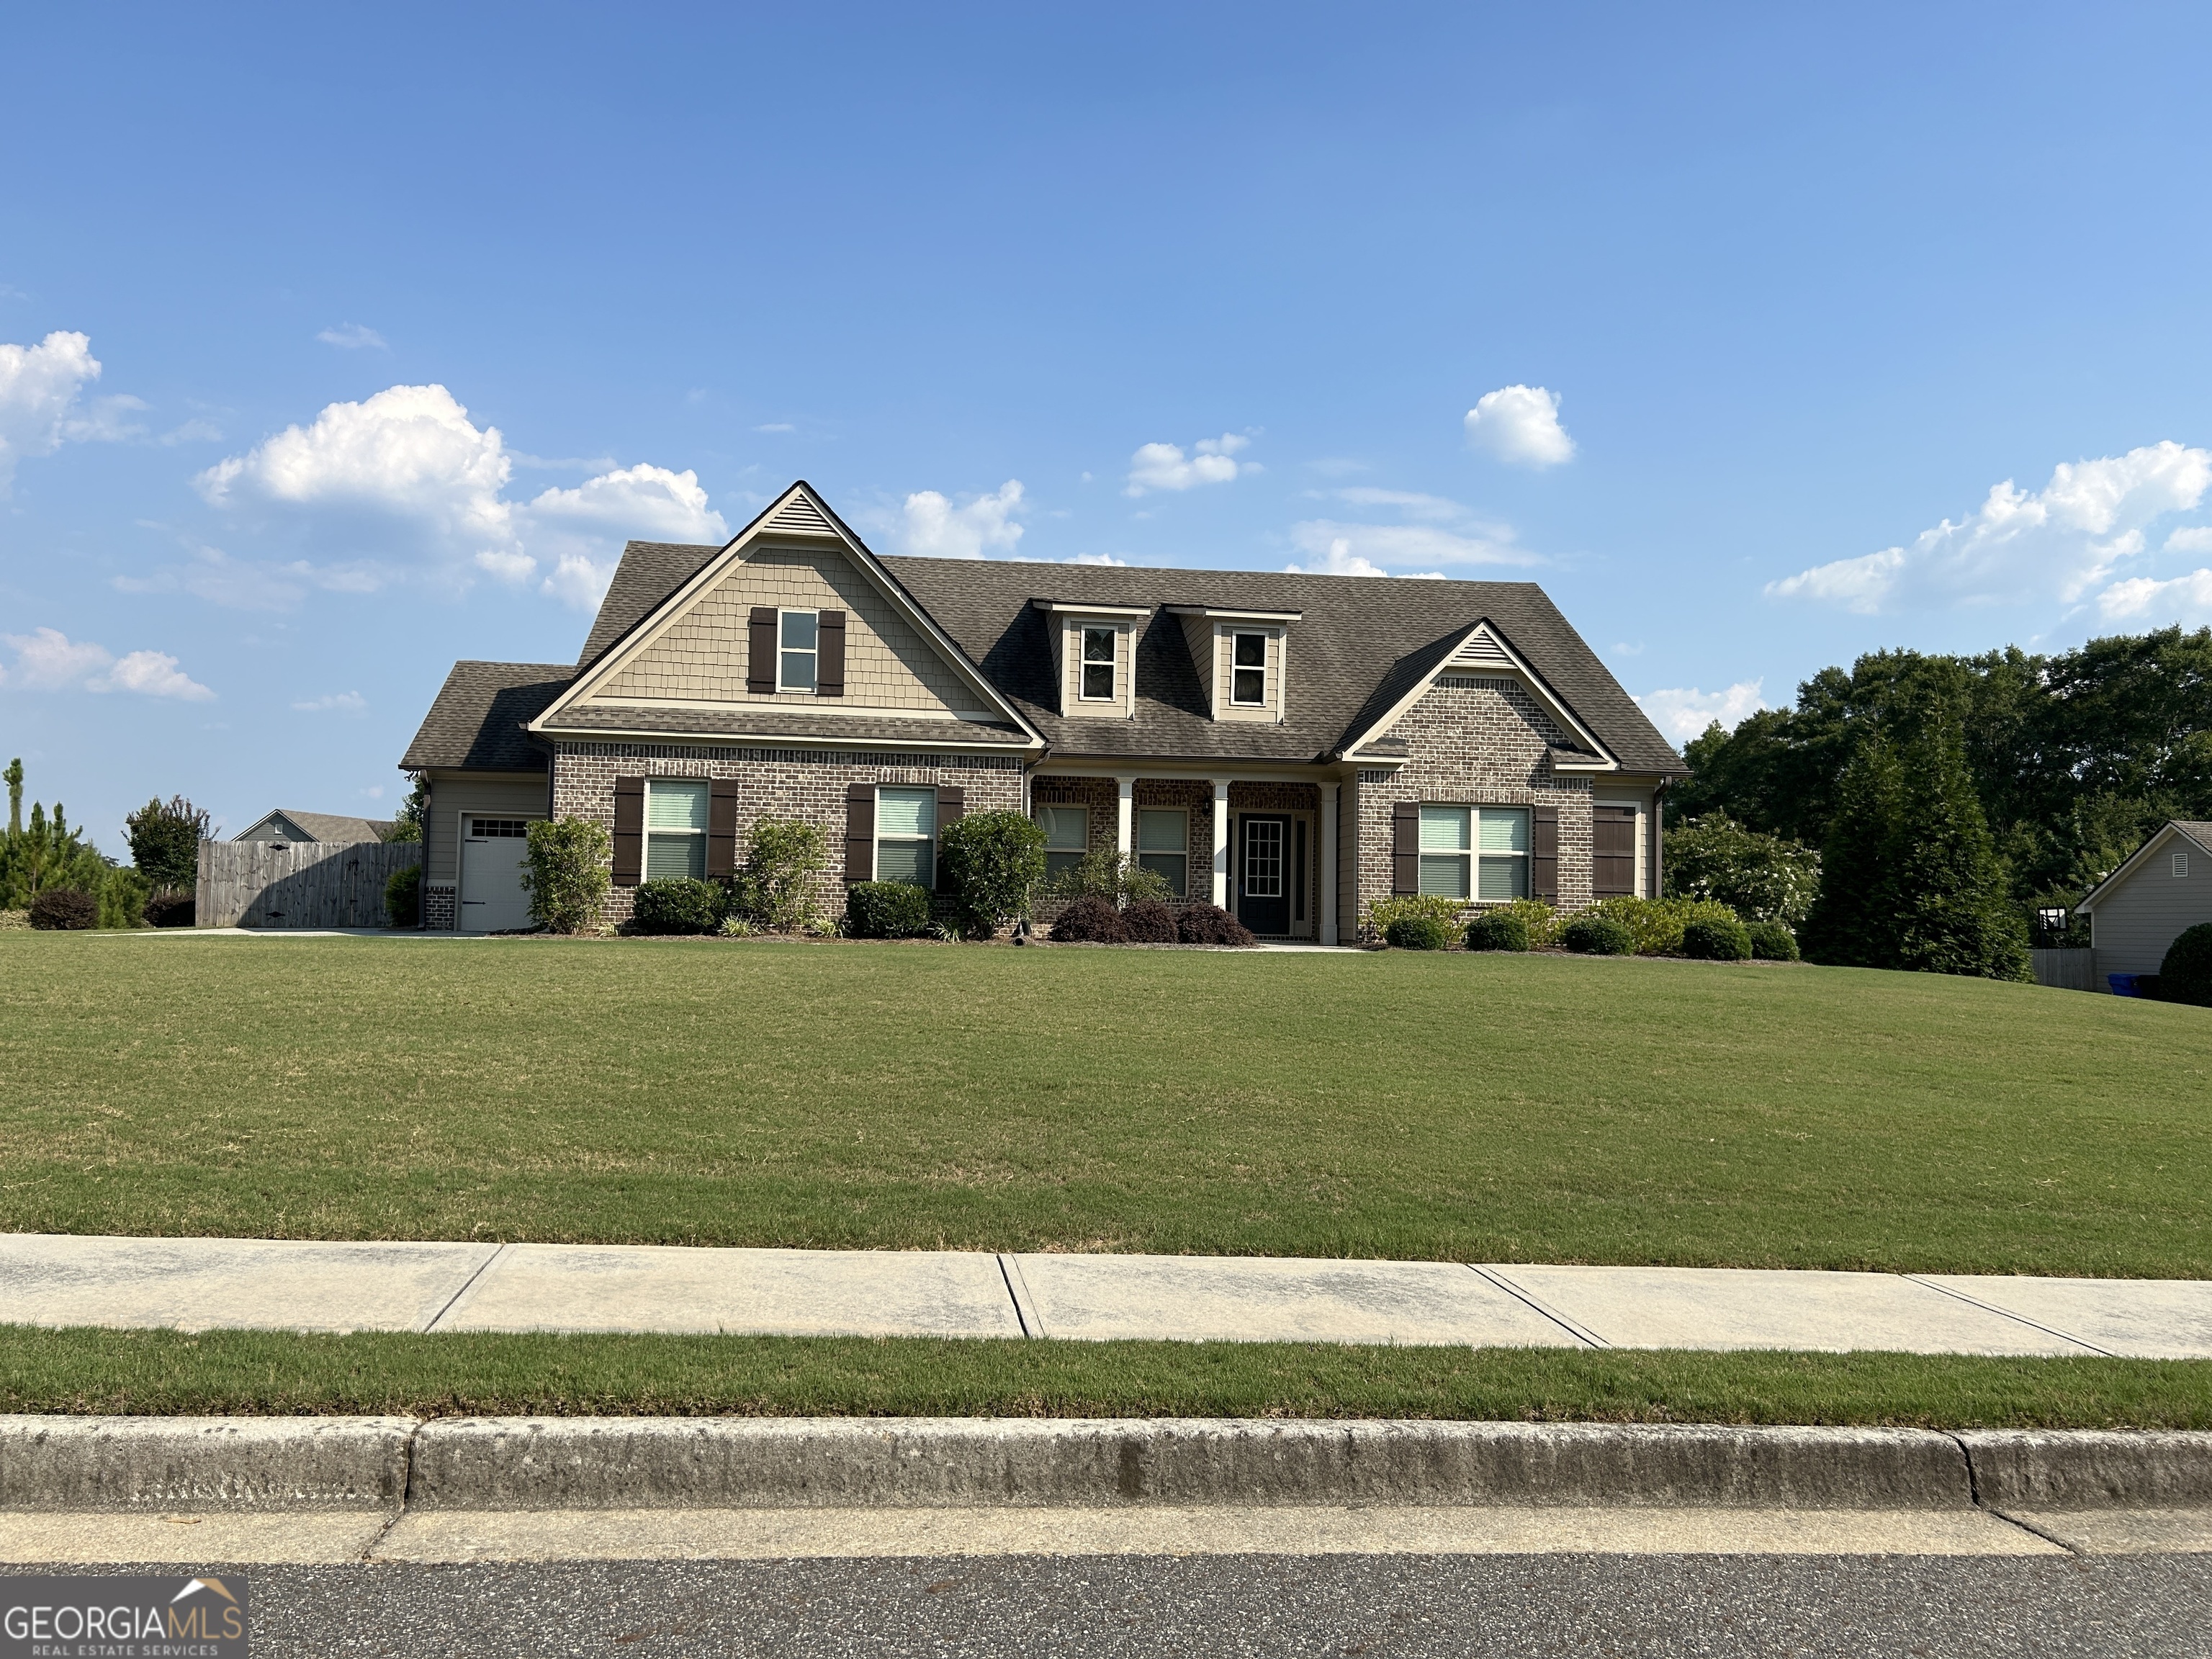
<point x="200" y="1284"/>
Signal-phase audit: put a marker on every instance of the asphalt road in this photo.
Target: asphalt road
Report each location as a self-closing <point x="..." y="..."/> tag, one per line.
<point x="1866" y="1608"/>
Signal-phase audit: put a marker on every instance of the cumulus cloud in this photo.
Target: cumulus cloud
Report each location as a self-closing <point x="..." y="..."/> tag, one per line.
<point x="2196" y="538"/>
<point x="1164" y="466"/>
<point x="40" y="407"/>
<point x="1099" y="559"/>
<point x="2186" y="599"/>
<point x="407" y="469"/>
<point x="934" y="527"/>
<point x="339" y="703"/>
<point x="353" y="337"/>
<point x="1685" y="712"/>
<point x="1441" y="533"/>
<point x="2059" y="542"/>
<point x="1520" y="425"/>
<point x="47" y="659"/>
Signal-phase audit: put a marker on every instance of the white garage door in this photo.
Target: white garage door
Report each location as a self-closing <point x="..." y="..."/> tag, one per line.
<point x="492" y="855"/>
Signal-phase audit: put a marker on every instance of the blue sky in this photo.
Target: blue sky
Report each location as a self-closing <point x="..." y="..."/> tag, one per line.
<point x="1760" y="338"/>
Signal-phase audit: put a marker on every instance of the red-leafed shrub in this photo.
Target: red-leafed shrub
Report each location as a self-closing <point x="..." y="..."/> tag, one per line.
<point x="1090" y="919"/>
<point x="61" y="909"/>
<point x="1209" y="924"/>
<point x="1150" y="922"/>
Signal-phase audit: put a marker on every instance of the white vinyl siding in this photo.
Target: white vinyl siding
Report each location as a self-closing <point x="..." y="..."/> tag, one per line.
<point x="1469" y="852"/>
<point x="2140" y="915"/>
<point x="1164" y="845"/>
<point x="675" y="828"/>
<point x="798" y="638"/>
<point x="906" y="835"/>
<point x="1067" y="838"/>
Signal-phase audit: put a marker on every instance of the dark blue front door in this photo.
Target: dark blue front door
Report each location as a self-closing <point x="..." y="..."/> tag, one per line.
<point x="1263" y="873"/>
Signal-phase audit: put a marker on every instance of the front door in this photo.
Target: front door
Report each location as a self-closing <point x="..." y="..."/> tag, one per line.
<point x="1263" y="872"/>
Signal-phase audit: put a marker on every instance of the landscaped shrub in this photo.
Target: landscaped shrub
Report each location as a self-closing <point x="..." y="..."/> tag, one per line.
<point x="989" y="865"/>
<point x="1497" y="930"/>
<point x="1657" y="925"/>
<point x="776" y="886"/>
<point x="1107" y="874"/>
<point x="402" y="899"/>
<point x="678" y="904"/>
<point x="173" y="910"/>
<point x="1209" y="924"/>
<point x="1541" y="921"/>
<point x="1383" y="914"/>
<point x="1597" y="936"/>
<point x="1708" y="938"/>
<point x="123" y="898"/>
<point x="1761" y="877"/>
<point x="60" y="909"/>
<point x="1091" y="919"/>
<point x="886" y="909"/>
<point x="1417" y="933"/>
<point x="2185" y="975"/>
<point x="1150" y="922"/>
<point x="1772" y="942"/>
<point x="568" y="877"/>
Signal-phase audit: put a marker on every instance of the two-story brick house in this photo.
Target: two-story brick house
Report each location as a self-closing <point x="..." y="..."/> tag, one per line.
<point x="1289" y="747"/>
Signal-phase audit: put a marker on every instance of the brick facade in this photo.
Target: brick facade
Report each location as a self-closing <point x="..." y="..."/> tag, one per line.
<point x="440" y="912"/>
<point x="807" y="784"/>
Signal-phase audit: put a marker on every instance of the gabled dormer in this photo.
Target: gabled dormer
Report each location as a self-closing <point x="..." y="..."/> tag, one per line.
<point x="1094" y="657"/>
<point x="1243" y="659"/>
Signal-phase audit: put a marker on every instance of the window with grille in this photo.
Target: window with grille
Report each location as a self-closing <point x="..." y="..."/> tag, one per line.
<point x="1248" y="673"/>
<point x="1474" y="852"/>
<point x="1263" y="858"/>
<point x="906" y="835"/>
<point x="1098" y="665"/>
<point x="1164" y="845"/>
<point x="799" y="642"/>
<point x="675" y="828"/>
<point x="1067" y="838"/>
<point x="499" y="828"/>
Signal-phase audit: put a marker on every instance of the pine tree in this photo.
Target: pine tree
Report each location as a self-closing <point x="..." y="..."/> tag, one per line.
<point x="1853" y="921"/>
<point x="1953" y="911"/>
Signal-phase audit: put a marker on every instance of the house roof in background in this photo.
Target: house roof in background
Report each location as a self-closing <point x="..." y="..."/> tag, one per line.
<point x="334" y="827"/>
<point x="477" y="718"/>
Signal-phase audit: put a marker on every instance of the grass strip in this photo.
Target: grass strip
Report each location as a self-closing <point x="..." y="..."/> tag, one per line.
<point x="258" y="1372"/>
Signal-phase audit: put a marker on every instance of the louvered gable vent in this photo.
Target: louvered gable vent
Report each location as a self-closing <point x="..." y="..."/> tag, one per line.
<point x="1482" y="650"/>
<point x="798" y="517"/>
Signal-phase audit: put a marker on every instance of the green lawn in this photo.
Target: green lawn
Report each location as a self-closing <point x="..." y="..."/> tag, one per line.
<point x="164" y="1372"/>
<point x="1481" y="1108"/>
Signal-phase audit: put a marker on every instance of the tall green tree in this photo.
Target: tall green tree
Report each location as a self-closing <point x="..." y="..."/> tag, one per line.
<point x="1950" y="911"/>
<point x="1853" y="921"/>
<point x="165" y="839"/>
<point x="45" y="852"/>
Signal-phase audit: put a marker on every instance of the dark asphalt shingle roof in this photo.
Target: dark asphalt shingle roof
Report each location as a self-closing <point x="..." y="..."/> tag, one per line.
<point x="336" y="827"/>
<point x="649" y="573"/>
<point x="477" y="718"/>
<point x="755" y="720"/>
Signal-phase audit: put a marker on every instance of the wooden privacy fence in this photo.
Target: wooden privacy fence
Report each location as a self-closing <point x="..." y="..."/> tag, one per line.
<point x="2067" y="970"/>
<point x="251" y="883"/>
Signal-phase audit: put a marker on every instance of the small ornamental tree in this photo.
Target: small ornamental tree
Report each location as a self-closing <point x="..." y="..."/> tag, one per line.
<point x="165" y="839"/>
<point x="783" y="857"/>
<point x="1112" y="876"/>
<point x="989" y="865"/>
<point x="568" y="878"/>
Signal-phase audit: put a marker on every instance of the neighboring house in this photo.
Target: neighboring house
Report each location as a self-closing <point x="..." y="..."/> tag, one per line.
<point x="2143" y="906"/>
<point x="1289" y="747"/>
<point x="285" y="825"/>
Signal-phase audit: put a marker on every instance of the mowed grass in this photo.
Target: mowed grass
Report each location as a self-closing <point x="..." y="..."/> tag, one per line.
<point x="248" y="1372"/>
<point x="1469" y="1107"/>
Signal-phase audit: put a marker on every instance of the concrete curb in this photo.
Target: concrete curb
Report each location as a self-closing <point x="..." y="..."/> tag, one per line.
<point x="184" y="1463"/>
<point x="2061" y="1469"/>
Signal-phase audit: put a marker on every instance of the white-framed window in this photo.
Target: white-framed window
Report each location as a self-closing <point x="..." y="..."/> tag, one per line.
<point x="1098" y="647"/>
<point x="1067" y="838"/>
<point x="906" y="835"/>
<point x="1248" y="670"/>
<point x="1474" y="852"/>
<point x="498" y="829"/>
<point x="2181" y="866"/>
<point x="797" y="644"/>
<point x="675" y="828"/>
<point x="1164" y="845"/>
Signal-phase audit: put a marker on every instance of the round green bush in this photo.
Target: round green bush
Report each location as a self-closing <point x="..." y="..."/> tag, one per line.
<point x="2185" y="975"/>
<point x="1497" y="930"/>
<point x="1598" y="936"/>
<point x="1708" y="938"/>
<point x="1417" y="933"/>
<point x="402" y="900"/>
<point x="64" y="910"/>
<point x="678" y="904"/>
<point x="1772" y="941"/>
<point x="886" y="909"/>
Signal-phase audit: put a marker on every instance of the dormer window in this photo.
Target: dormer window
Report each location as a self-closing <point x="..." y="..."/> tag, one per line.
<point x="799" y="642"/>
<point x="1098" y="665"/>
<point x="1248" y="670"/>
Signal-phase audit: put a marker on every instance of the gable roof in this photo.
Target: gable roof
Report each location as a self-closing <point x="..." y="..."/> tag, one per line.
<point x="334" y="827"/>
<point x="477" y="719"/>
<point x="2196" y="831"/>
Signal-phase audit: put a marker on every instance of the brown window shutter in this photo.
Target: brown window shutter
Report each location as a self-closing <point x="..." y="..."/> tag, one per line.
<point x="722" y="826"/>
<point x="1406" y="847"/>
<point x="829" y="659"/>
<point x="859" y="832"/>
<point x="1613" y="850"/>
<point x="1544" y="854"/>
<point x="760" y="655"/>
<point x="951" y="806"/>
<point x="630" y="830"/>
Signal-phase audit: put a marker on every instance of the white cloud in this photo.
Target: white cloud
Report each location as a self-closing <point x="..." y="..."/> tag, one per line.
<point x="1434" y="509"/>
<point x="2185" y="599"/>
<point x="2196" y="538"/>
<point x="777" y="426"/>
<point x="47" y="659"/>
<point x="1099" y="559"/>
<point x="1685" y="712"/>
<point x="353" y="337"/>
<point x="2058" y="542"/>
<point x="934" y="527"/>
<point x="1407" y="543"/>
<point x="1338" y="559"/>
<point x="1520" y="425"/>
<point x="1164" y="466"/>
<point x="340" y="703"/>
<point x="38" y="410"/>
<point x="581" y="531"/>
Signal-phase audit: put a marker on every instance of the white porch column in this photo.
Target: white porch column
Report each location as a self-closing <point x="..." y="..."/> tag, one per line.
<point x="1125" y="783"/>
<point x="1328" y="794"/>
<point x="1221" y="843"/>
